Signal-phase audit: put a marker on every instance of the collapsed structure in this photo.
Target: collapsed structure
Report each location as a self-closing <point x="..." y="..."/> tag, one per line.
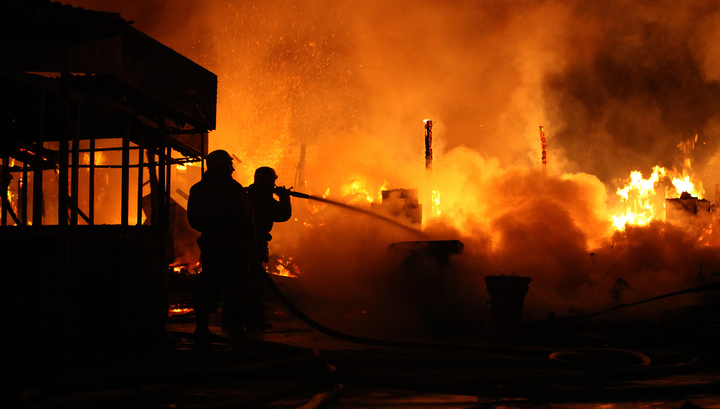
<point x="94" y="116"/>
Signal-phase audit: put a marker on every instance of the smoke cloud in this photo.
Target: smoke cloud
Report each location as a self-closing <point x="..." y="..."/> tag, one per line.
<point x="333" y="93"/>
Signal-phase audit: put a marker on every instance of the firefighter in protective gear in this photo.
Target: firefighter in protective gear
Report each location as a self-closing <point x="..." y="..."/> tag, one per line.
<point x="267" y="211"/>
<point x="218" y="208"/>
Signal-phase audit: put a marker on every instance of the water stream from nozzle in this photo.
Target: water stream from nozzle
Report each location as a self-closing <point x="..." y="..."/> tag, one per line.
<point x="360" y="210"/>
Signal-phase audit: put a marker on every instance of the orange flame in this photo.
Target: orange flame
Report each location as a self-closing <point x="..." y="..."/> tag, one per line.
<point x="436" y="211"/>
<point x="359" y="190"/>
<point x="643" y="202"/>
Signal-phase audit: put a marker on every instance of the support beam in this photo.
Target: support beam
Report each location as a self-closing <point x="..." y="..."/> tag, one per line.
<point x="38" y="202"/>
<point x="91" y="182"/>
<point x="75" y="172"/>
<point x="125" y="179"/>
<point x="23" y="191"/>
<point x="141" y="157"/>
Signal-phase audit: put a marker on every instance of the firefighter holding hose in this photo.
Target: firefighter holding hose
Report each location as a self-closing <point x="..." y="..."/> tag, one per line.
<point x="219" y="209"/>
<point x="267" y="211"/>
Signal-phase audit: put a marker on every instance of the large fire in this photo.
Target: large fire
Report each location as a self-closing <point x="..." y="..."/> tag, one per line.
<point x="640" y="196"/>
<point x="332" y="95"/>
<point x="360" y="191"/>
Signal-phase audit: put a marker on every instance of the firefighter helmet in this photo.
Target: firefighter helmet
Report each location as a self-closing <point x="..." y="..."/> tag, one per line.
<point x="265" y="176"/>
<point x="217" y="159"/>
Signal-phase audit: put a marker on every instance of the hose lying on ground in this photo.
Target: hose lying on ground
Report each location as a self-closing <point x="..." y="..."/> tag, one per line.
<point x="715" y="286"/>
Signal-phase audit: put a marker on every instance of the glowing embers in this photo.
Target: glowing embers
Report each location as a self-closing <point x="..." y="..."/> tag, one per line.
<point x="184" y="270"/>
<point x="179" y="309"/>
<point x="181" y="282"/>
<point x="282" y="266"/>
<point x="644" y="203"/>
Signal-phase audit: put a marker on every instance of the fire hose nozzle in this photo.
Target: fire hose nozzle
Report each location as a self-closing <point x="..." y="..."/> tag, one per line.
<point x="282" y="190"/>
<point x="298" y="194"/>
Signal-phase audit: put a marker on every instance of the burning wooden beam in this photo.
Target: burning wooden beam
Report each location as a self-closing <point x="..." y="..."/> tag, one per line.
<point x="544" y="145"/>
<point x="428" y="144"/>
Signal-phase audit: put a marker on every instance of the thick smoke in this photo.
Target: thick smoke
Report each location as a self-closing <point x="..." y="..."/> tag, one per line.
<point x="332" y="93"/>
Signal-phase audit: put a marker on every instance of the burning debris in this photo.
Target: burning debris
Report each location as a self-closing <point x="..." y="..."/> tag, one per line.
<point x="689" y="204"/>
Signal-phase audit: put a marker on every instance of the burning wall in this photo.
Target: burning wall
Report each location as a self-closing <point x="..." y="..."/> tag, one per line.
<point x="619" y="86"/>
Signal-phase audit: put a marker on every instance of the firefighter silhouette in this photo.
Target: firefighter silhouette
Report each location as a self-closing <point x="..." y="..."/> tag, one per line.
<point x="267" y="211"/>
<point x="218" y="208"/>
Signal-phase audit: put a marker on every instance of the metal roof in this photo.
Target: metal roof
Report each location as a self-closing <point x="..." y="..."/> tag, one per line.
<point x="45" y="36"/>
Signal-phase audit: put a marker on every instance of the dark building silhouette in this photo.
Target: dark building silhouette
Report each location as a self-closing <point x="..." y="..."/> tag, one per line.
<point x="94" y="114"/>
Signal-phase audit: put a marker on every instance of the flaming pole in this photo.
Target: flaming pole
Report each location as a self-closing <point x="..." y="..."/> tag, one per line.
<point x="544" y="146"/>
<point x="428" y="144"/>
<point x="427" y="208"/>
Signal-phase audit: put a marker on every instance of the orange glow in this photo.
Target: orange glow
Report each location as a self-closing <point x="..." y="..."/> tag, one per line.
<point x="100" y="158"/>
<point x="282" y="271"/>
<point x="706" y="234"/>
<point x="685" y="184"/>
<point x="314" y="206"/>
<point x="359" y="190"/>
<point x="179" y="311"/>
<point x="436" y="203"/>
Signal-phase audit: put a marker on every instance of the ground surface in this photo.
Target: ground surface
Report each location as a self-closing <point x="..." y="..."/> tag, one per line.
<point x="297" y="364"/>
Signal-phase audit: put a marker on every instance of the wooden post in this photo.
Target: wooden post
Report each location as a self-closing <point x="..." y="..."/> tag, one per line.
<point x="75" y="171"/>
<point x="125" y="179"/>
<point x="38" y="201"/>
<point x="91" y="182"/>
<point x="141" y="158"/>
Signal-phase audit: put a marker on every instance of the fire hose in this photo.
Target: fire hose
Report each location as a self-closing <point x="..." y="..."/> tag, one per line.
<point x="352" y="208"/>
<point x="714" y="286"/>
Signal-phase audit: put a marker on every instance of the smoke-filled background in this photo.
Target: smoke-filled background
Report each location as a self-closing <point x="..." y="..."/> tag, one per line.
<point x="333" y="94"/>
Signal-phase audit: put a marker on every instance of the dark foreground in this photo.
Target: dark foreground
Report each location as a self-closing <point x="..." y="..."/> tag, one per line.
<point x="610" y="363"/>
